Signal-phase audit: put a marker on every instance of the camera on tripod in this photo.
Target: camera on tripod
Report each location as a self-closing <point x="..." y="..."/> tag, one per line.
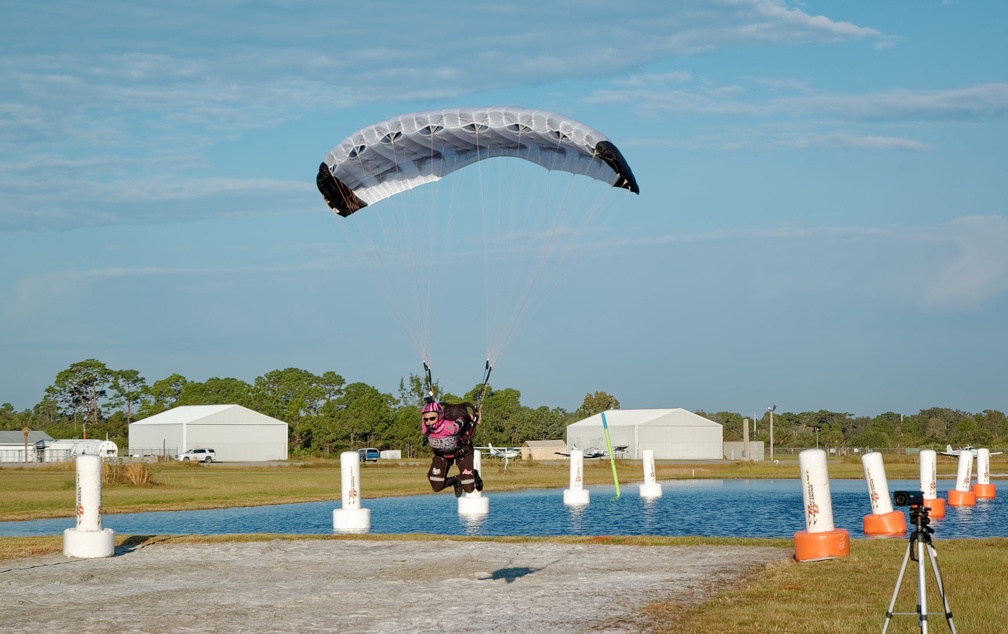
<point x="908" y="498"/>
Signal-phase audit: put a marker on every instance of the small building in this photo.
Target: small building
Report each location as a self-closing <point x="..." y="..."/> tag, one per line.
<point x="673" y="434"/>
<point x="63" y="450"/>
<point x="735" y="450"/>
<point x="235" y="433"/>
<point x="543" y="450"/>
<point x="12" y="445"/>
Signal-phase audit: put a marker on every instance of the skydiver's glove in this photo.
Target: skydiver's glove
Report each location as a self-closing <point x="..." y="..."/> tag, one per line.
<point x="424" y="441"/>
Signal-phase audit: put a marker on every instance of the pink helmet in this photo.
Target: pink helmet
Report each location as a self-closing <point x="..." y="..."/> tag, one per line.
<point x="432" y="407"/>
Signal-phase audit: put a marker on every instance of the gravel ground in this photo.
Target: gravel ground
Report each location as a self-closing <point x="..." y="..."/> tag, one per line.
<point x="364" y="586"/>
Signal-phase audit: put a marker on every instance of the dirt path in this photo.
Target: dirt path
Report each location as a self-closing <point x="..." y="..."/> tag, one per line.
<point x="363" y="586"/>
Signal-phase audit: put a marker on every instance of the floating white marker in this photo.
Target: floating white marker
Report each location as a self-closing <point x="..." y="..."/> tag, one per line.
<point x="89" y="540"/>
<point x="820" y="539"/>
<point x="576" y="494"/>
<point x="929" y="483"/>
<point x="883" y="520"/>
<point x="650" y="488"/>
<point x="961" y="495"/>
<point x="474" y="503"/>
<point x="351" y="518"/>
<point x="983" y="488"/>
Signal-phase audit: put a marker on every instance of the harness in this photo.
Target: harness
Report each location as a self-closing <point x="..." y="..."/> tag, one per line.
<point x="457" y="443"/>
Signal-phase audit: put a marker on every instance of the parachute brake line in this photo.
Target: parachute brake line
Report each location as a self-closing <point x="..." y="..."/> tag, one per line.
<point x="486" y="380"/>
<point x="429" y="397"/>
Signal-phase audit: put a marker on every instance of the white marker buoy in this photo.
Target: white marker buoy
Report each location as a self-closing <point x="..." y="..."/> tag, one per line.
<point x="984" y="489"/>
<point x="929" y="483"/>
<point x="883" y="521"/>
<point x="474" y="503"/>
<point x="576" y="494"/>
<point x="89" y="540"/>
<point x="650" y="488"/>
<point x="820" y="539"/>
<point x="351" y="518"/>
<point x="961" y="495"/>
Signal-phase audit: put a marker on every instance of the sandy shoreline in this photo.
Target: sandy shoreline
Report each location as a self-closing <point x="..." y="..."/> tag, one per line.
<point x="365" y="586"/>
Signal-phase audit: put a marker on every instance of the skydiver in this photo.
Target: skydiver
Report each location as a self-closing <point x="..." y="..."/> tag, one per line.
<point x="449" y="431"/>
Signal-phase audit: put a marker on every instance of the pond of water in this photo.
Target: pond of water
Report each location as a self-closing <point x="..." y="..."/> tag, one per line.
<point x="715" y="508"/>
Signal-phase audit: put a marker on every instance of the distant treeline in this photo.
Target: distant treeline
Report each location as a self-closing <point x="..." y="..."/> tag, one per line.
<point x="328" y="416"/>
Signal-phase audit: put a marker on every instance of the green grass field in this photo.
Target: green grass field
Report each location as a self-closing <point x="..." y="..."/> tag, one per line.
<point x="841" y="595"/>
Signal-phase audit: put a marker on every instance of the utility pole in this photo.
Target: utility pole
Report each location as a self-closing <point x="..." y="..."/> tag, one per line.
<point x="771" y="410"/>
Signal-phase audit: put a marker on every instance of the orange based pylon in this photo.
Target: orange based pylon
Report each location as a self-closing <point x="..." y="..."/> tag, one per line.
<point x="961" y="498"/>
<point x="935" y="507"/>
<point x="826" y="545"/>
<point x="985" y="491"/>
<point x="885" y="524"/>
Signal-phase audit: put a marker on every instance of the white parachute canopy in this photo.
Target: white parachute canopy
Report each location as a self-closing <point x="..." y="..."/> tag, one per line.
<point x="528" y="220"/>
<point x="398" y="154"/>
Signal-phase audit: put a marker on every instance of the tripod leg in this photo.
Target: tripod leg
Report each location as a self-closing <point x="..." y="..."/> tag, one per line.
<point x="933" y="556"/>
<point x="899" y="582"/>
<point x="922" y="609"/>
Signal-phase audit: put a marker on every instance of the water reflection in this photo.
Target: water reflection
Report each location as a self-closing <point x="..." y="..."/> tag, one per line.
<point x="717" y="508"/>
<point x="575" y="517"/>
<point x="472" y="525"/>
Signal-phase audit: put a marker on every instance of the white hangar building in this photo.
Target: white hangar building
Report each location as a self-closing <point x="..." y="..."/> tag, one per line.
<point x="673" y="434"/>
<point x="236" y="433"/>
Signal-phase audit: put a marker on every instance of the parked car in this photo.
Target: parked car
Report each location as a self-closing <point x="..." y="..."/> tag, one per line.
<point x="370" y="453"/>
<point x="197" y="455"/>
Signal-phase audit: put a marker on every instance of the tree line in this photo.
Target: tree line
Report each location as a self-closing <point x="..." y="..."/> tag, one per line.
<point x="326" y="415"/>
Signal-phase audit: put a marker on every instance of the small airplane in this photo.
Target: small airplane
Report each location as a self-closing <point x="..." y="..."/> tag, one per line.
<point x="595" y="452"/>
<point x="501" y="452"/>
<point x="949" y="451"/>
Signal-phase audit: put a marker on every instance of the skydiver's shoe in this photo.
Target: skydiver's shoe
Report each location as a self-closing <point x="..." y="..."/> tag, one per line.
<point x="479" y="480"/>
<point x="458" y="489"/>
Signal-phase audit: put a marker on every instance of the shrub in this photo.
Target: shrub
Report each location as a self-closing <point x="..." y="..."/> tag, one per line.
<point x="134" y="473"/>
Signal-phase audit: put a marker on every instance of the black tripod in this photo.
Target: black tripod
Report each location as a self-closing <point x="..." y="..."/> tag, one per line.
<point x="920" y="542"/>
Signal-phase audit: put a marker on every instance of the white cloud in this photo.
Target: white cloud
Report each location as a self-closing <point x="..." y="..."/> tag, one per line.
<point x="840" y="140"/>
<point x="980" y="101"/>
<point x="976" y="268"/>
<point x="949" y="266"/>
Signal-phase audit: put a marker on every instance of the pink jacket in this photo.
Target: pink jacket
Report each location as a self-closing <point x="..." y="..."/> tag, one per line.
<point x="444" y="436"/>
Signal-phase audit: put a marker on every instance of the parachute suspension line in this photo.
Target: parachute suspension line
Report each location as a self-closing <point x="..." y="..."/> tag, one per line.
<point x="559" y="225"/>
<point x="409" y="235"/>
<point x="520" y="207"/>
<point x="486" y="246"/>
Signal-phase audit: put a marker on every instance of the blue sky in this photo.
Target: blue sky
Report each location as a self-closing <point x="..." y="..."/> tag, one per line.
<point x="821" y="224"/>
